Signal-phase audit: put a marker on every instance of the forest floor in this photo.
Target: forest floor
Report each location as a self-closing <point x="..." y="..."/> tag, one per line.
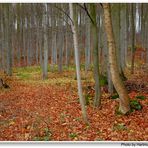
<point x="49" y="110"/>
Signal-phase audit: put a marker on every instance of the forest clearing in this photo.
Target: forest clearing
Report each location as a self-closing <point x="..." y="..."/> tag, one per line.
<point x="73" y="72"/>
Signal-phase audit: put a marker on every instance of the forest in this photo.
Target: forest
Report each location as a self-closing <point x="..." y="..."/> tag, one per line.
<point x="73" y="72"/>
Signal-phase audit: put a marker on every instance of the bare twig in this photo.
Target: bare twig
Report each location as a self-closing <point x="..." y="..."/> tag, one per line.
<point x="86" y="10"/>
<point x="64" y="13"/>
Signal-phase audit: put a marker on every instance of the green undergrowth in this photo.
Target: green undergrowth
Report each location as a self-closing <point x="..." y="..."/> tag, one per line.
<point x="103" y="80"/>
<point x="73" y="135"/>
<point x="115" y="96"/>
<point x="88" y="99"/>
<point x="26" y="73"/>
<point x="141" y="97"/>
<point x="28" y="69"/>
<point x="33" y="75"/>
<point x="135" y="105"/>
<point x="46" y="137"/>
<point x="23" y="75"/>
<point x="119" y="127"/>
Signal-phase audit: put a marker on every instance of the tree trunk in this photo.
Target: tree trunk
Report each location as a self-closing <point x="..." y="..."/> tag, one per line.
<point x="75" y="40"/>
<point x="123" y="35"/>
<point x="115" y="11"/>
<point x="97" y="100"/>
<point x="124" y="106"/>
<point x="133" y="38"/>
<point x="87" y="43"/>
<point x="9" y="52"/>
<point x="60" y="41"/>
<point x="54" y="38"/>
<point x="45" y="55"/>
<point x="28" y="41"/>
<point x="8" y="39"/>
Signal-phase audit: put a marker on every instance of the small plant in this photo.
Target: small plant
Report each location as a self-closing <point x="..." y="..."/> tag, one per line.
<point x="135" y="105"/>
<point x="87" y="127"/>
<point x="141" y="97"/>
<point x="87" y="98"/>
<point x="119" y="126"/>
<point x="115" y="96"/>
<point x="77" y="119"/>
<point x="46" y="137"/>
<point x="72" y="135"/>
<point x="63" y="116"/>
<point x="103" y="80"/>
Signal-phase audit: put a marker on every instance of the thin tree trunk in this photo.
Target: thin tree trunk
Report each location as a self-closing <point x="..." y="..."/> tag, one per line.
<point x="45" y="60"/>
<point x="123" y="35"/>
<point x="66" y="49"/>
<point x="9" y="50"/>
<point x="61" y="43"/>
<point x="87" y="43"/>
<point x="75" y="40"/>
<point x="8" y="40"/>
<point x="28" y="41"/>
<point x="133" y="38"/>
<point x="97" y="100"/>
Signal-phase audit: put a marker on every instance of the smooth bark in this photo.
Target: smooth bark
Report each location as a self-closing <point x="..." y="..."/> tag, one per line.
<point x="75" y="40"/>
<point x="97" y="99"/>
<point x="124" y="105"/>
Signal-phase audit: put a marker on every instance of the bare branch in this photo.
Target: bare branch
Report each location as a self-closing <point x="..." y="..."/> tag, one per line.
<point x="86" y="10"/>
<point x="64" y="13"/>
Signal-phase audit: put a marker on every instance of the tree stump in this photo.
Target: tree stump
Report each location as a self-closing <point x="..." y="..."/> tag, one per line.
<point x="3" y="84"/>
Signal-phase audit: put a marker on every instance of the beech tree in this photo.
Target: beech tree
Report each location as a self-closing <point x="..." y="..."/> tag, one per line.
<point x="45" y="55"/>
<point x="87" y="43"/>
<point x="133" y="48"/>
<point x="8" y="38"/>
<point x="124" y="105"/>
<point x="75" y="41"/>
<point x="97" y="100"/>
<point x="123" y="36"/>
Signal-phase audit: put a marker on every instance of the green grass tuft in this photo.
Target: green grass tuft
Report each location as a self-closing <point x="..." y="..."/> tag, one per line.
<point x="103" y="80"/>
<point x="47" y="136"/>
<point x="119" y="127"/>
<point x="73" y="135"/>
<point x="141" y="97"/>
<point x="88" y="99"/>
<point x="135" y="105"/>
<point x="115" y="96"/>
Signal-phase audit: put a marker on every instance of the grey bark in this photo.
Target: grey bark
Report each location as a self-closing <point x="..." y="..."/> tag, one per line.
<point x="75" y="40"/>
<point x="115" y="11"/>
<point x="87" y="43"/>
<point x="97" y="99"/>
<point x="45" y="32"/>
<point x="7" y="39"/>
<point x="132" y="39"/>
<point x="123" y="35"/>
